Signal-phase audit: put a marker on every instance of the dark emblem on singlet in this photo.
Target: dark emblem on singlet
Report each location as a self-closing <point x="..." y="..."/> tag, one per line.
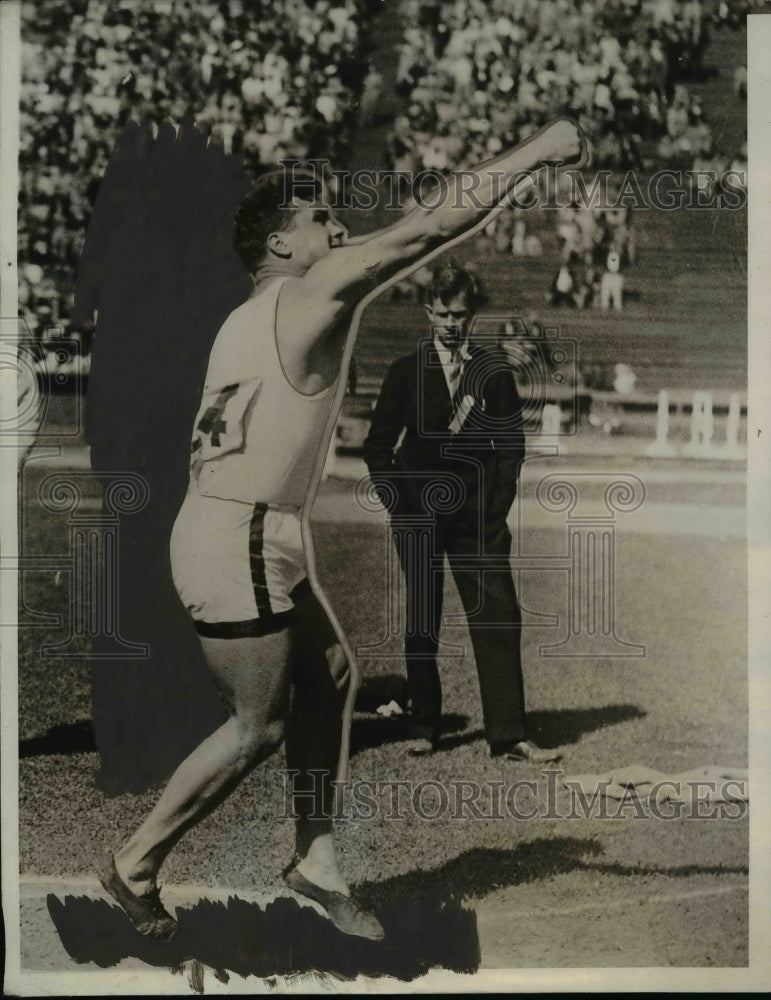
<point x="211" y="422"/>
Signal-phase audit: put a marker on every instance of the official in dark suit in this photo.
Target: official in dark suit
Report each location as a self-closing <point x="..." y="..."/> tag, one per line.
<point x="444" y="451"/>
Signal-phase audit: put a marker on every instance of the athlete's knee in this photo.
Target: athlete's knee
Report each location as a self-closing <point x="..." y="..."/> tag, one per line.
<point x="258" y="738"/>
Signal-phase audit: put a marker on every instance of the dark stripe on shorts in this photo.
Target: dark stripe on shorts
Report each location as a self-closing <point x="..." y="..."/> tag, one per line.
<point x="257" y="561"/>
<point x="255" y="627"/>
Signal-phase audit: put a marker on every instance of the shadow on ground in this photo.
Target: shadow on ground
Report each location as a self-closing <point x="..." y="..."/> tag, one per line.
<point x="551" y="728"/>
<point x="557" y="727"/>
<point x="479" y="871"/>
<point x="379" y="689"/>
<point x="284" y="938"/>
<point x="70" y="737"/>
<point x="368" y="732"/>
<point x="427" y="926"/>
<point x="562" y="726"/>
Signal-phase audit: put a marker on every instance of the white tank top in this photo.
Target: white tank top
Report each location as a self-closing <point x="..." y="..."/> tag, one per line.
<point x="256" y="438"/>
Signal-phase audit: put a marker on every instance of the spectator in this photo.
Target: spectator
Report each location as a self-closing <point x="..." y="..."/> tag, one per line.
<point x="612" y="281"/>
<point x="564" y="288"/>
<point x="624" y="380"/>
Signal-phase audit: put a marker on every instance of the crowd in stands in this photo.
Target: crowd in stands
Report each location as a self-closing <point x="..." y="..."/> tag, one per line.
<point x="294" y="79"/>
<point x="499" y="68"/>
<point x="277" y="80"/>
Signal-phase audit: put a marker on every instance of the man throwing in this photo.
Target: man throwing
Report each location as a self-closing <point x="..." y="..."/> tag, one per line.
<point x="237" y="551"/>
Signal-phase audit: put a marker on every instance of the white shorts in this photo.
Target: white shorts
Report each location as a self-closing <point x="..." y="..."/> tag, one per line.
<point x="237" y="566"/>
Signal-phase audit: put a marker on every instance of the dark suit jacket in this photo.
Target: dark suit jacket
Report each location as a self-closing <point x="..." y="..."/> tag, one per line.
<point x="484" y="456"/>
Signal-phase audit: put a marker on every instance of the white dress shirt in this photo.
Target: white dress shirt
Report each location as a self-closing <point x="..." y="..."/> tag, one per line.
<point x="446" y="359"/>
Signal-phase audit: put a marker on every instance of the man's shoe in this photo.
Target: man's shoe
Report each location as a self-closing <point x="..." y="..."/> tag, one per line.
<point x="525" y="750"/>
<point x="344" y="913"/>
<point x="420" y="748"/>
<point x="145" y="912"/>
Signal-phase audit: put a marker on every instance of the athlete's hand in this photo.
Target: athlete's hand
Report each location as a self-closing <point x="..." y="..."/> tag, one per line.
<point x="565" y="143"/>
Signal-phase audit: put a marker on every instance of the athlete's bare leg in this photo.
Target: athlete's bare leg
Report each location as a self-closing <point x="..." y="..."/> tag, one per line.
<point x="254" y="676"/>
<point x="320" y="675"/>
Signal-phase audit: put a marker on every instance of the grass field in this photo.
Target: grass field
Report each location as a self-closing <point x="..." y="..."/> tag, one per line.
<point x="648" y="891"/>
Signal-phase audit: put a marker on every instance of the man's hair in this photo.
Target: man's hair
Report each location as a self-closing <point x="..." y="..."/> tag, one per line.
<point x="267" y="208"/>
<point x="449" y="280"/>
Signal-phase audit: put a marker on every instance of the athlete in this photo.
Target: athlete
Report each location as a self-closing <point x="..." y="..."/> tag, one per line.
<point x="237" y="548"/>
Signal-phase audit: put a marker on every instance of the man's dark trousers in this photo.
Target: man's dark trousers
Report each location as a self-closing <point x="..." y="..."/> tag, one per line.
<point x="448" y="493"/>
<point x="490" y="602"/>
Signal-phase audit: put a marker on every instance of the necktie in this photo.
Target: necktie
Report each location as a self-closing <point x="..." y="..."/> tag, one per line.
<point x="458" y="403"/>
<point x="456" y="371"/>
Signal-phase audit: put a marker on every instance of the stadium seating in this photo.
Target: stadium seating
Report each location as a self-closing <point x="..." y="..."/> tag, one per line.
<point x="478" y="75"/>
<point x="278" y="80"/>
<point x="292" y="80"/>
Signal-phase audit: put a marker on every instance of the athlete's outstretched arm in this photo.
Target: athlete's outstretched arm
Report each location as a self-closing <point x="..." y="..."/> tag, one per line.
<point x="349" y="272"/>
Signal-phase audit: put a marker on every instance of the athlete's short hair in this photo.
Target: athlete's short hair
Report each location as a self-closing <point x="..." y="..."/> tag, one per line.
<point x="449" y="280"/>
<point x="267" y="208"/>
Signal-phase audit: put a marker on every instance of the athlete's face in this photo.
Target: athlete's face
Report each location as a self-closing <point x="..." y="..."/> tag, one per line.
<point x="315" y="232"/>
<point x="449" y="320"/>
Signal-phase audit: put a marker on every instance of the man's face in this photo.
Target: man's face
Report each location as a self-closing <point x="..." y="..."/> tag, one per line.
<point x="449" y="320"/>
<point x="314" y="233"/>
